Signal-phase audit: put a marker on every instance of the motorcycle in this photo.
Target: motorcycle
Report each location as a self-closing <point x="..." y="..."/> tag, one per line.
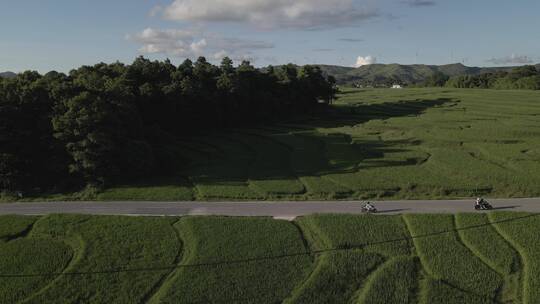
<point x="366" y="209"/>
<point x="483" y="206"/>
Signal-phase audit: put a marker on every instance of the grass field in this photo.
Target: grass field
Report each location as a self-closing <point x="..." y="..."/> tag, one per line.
<point x="377" y="143"/>
<point x="467" y="258"/>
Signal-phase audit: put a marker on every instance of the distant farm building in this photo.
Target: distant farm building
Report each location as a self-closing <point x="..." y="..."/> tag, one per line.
<point x="397" y="86"/>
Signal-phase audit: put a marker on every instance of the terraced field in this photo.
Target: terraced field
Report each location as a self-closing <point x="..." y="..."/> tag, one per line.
<point x="466" y="258"/>
<point x="412" y="143"/>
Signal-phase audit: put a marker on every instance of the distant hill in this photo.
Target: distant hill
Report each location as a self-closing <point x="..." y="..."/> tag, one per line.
<point x="8" y="75"/>
<point x="377" y="74"/>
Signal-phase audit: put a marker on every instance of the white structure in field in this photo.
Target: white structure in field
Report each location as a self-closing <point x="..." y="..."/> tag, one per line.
<point x="397" y="86"/>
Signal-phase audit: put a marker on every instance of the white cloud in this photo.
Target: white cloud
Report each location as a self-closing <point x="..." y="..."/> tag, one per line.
<point x="220" y="55"/>
<point x="181" y="43"/>
<point x="307" y="14"/>
<point x="361" y="61"/>
<point x="156" y="10"/>
<point x="512" y="59"/>
<point x="194" y="43"/>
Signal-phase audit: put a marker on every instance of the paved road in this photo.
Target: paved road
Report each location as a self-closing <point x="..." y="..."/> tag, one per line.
<point x="284" y="210"/>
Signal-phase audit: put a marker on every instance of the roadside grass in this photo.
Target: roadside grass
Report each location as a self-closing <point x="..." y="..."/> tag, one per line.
<point x="155" y="193"/>
<point x="445" y="257"/>
<point x="324" y="188"/>
<point x="252" y="278"/>
<point x="231" y="189"/>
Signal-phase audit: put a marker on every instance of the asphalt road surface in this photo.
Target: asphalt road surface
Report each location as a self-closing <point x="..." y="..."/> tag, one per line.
<point x="281" y="210"/>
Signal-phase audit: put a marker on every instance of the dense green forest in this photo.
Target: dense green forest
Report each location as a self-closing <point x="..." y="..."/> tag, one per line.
<point x="109" y="122"/>
<point x="521" y="78"/>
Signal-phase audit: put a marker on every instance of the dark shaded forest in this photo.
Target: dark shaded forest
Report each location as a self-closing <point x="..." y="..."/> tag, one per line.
<point x="107" y="123"/>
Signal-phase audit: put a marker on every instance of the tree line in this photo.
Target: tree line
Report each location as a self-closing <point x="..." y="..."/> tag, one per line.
<point x="107" y="123"/>
<point x="521" y="78"/>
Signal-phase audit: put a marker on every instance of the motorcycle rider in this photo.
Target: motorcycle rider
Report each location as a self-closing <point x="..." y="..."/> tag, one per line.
<point x="480" y="202"/>
<point x="369" y="207"/>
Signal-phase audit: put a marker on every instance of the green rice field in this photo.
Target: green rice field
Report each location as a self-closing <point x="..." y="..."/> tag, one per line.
<point x="373" y="143"/>
<point x="463" y="258"/>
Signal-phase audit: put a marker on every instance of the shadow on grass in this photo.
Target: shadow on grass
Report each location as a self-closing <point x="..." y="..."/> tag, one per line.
<point x="505" y="207"/>
<point x="392" y="211"/>
<point x="288" y="150"/>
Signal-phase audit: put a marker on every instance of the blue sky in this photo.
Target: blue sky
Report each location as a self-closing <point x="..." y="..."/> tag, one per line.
<point x="61" y="34"/>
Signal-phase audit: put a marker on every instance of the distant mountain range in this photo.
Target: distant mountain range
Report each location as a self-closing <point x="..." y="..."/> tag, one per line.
<point x="8" y="75"/>
<point x="403" y="74"/>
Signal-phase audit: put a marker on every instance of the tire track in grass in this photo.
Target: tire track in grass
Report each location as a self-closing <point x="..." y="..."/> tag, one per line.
<point x="336" y="276"/>
<point x="414" y="252"/>
<point x="304" y="240"/>
<point x="315" y="263"/>
<point x="154" y="295"/>
<point x="399" y="274"/>
<point x="21" y="234"/>
<point x="79" y="252"/>
<point x="431" y="277"/>
<point x="481" y="258"/>
<point x="488" y="245"/>
<point x="304" y="285"/>
<point x="309" y="232"/>
<point x="77" y="244"/>
<point x="377" y="279"/>
<point x="362" y="291"/>
<point x="522" y="261"/>
<point x="153" y="292"/>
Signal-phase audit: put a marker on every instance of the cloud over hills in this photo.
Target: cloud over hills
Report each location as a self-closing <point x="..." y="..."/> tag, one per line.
<point x="193" y="43"/>
<point x="264" y="14"/>
<point x="367" y="60"/>
<point x="512" y="59"/>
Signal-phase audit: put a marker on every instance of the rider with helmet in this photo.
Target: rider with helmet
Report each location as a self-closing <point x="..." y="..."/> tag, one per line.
<point x="369" y="207"/>
<point x="482" y="204"/>
<point x="479" y="201"/>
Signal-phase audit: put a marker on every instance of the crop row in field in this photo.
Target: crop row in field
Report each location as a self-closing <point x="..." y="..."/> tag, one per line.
<point x="316" y="259"/>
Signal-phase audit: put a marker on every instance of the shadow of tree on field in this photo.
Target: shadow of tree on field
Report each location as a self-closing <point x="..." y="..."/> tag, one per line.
<point x="288" y="150"/>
